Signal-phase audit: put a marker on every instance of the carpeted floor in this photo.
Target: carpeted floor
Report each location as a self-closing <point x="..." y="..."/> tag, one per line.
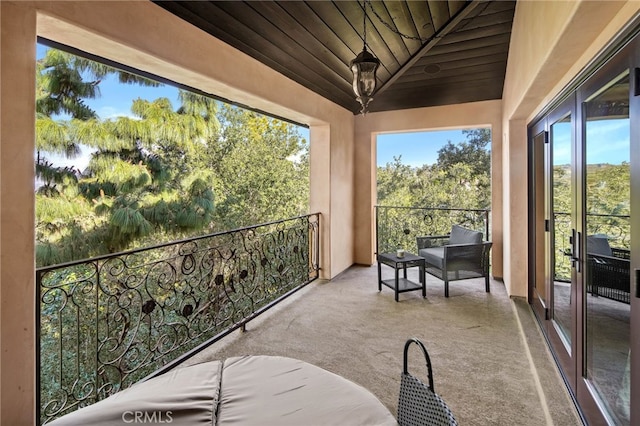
<point x="490" y="362"/>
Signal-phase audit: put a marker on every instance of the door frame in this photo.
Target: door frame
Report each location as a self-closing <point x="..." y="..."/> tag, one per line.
<point x="634" y="111"/>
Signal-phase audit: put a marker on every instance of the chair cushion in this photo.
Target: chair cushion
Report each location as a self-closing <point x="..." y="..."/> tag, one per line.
<point x="598" y="244"/>
<point x="433" y="256"/>
<point x="460" y="235"/>
<point x="185" y="396"/>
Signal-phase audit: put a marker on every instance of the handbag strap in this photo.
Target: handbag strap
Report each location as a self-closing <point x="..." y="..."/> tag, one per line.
<point x="426" y="356"/>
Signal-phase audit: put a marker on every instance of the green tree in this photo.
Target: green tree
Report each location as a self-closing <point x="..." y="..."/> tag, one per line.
<point x="261" y="167"/>
<point x="455" y="187"/>
<point x="461" y="177"/>
<point x="608" y="190"/>
<point x="398" y="184"/>
<point x="474" y="152"/>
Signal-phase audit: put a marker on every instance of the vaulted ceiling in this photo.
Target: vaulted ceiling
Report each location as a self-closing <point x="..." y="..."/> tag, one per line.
<point x="432" y="52"/>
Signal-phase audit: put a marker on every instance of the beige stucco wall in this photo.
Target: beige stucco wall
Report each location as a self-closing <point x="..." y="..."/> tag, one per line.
<point x="470" y="115"/>
<point x="17" y="295"/>
<point x="551" y="42"/>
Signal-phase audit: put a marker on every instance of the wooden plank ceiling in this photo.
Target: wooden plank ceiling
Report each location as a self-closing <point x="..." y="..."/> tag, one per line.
<point x="432" y="52"/>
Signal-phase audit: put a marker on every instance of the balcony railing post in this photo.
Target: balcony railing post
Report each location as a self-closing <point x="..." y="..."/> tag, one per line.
<point x="377" y="219"/>
<point x="38" y="332"/>
<point x="317" y="238"/>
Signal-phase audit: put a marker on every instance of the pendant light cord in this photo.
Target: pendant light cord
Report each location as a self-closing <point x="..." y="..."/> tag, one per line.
<point x="364" y="24"/>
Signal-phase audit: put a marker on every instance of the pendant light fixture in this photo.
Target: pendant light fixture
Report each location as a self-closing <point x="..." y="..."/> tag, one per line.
<point x="364" y="68"/>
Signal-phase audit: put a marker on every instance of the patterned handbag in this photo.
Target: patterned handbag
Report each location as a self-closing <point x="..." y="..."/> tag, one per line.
<point x="418" y="404"/>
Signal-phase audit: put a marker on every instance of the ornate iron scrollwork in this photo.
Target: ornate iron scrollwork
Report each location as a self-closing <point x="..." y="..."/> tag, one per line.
<point x="108" y="322"/>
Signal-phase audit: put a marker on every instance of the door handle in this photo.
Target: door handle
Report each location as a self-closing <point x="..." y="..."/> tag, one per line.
<point x="577" y="257"/>
<point x="574" y="240"/>
<point x="572" y="247"/>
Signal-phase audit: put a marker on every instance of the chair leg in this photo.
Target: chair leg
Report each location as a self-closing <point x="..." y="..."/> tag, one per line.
<point x="486" y="284"/>
<point x="446" y="284"/>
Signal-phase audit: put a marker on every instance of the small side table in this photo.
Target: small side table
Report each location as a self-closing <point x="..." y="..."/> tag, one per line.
<point x="401" y="285"/>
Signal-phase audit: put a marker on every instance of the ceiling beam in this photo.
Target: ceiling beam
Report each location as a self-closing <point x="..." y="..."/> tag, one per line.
<point x="433" y="41"/>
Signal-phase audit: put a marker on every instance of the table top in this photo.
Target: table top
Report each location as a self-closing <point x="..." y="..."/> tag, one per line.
<point x="249" y="390"/>
<point x="408" y="257"/>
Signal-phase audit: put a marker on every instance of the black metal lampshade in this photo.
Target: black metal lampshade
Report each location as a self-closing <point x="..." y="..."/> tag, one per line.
<point x="364" y="68"/>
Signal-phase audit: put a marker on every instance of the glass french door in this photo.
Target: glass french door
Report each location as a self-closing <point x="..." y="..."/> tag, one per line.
<point x="554" y="286"/>
<point x="584" y="204"/>
<point x="606" y="225"/>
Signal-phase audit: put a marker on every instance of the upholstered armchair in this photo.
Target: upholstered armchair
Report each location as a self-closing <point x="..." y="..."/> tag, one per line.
<point x="608" y="269"/>
<point x="458" y="256"/>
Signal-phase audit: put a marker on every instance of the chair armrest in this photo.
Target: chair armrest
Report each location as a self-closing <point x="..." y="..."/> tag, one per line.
<point x="602" y="259"/>
<point x="469" y="251"/>
<point x="432" y="241"/>
<point x="458" y="247"/>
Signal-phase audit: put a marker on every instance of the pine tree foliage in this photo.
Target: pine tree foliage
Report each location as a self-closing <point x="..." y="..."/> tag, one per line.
<point x="61" y="88"/>
<point x="53" y="136"/>
<point x="165" y="173"/>
<point x="63" y="83"/>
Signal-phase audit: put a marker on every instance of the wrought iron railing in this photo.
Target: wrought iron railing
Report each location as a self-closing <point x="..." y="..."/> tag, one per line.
<point x="617" y="228"/>
<point x="110" y="321"/>
<point x="398" y="227"/>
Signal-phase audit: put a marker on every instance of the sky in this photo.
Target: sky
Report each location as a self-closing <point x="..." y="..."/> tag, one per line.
<point x="416" y="148"/>
<point x="607" y="142"/>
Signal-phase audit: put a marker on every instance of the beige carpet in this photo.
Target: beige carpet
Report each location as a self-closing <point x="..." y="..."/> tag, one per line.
<point x="489" y="358"/>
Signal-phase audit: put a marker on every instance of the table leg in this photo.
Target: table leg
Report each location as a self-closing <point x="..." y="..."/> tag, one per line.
<point x="397" y="283"/>
<point x="422" y="280"/>
<point x="404" y="270"/>
<point x="379" y="277"/>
